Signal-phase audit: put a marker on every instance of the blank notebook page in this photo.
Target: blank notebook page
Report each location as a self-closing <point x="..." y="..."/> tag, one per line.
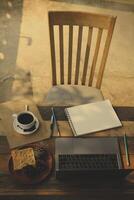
<point x="92" y="117"/>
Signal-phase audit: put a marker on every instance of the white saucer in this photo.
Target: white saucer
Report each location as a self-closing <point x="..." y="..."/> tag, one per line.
<point x="21" y="131"/>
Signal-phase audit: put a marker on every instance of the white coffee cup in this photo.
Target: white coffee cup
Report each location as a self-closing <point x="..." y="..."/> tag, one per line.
<point x="24" y="120"/>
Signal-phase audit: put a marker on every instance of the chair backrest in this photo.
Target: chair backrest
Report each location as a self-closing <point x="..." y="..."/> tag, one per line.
<point x="96" y="23"/>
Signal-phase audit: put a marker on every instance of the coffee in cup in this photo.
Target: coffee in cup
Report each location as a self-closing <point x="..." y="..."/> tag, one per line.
<point x="25" y="120"/>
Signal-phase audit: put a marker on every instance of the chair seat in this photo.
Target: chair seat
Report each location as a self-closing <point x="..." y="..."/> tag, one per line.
<point x="61" y="95"/>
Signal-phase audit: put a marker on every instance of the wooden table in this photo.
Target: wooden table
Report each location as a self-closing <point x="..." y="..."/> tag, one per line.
<point x="52" y="188"/>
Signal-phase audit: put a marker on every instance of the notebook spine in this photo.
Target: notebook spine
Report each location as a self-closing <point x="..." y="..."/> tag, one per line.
<point x="70" y="122"/>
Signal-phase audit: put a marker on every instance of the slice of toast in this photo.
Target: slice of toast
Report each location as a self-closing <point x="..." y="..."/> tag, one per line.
<point x="22" y="158"/>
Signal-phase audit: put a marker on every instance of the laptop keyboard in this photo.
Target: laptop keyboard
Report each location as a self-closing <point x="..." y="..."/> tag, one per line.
<point x="88" y="162"/>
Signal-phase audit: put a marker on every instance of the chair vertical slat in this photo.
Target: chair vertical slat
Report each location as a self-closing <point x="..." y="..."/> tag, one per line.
<point x="79" y="19"/>
<point x="95" y="56"/>
<point x="70" y="53"/>
<point x="61" y="54"/>
<point x="87" y="55"/>
<point x="105" y="53"/>
<point x="53" y="60"/>
<point x="78" y="54"/>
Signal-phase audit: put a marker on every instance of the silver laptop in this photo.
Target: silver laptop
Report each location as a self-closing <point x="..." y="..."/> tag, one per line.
<point x="88" y="156"/>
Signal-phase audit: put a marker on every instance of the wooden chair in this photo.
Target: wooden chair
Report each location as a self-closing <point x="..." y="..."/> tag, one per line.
<point x="72" y="82"/>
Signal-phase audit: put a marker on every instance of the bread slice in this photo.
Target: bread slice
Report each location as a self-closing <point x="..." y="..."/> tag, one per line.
<point x="22" y="158"/>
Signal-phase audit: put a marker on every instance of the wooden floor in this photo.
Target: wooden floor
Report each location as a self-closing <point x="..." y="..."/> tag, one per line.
<point x="25" y="52"/>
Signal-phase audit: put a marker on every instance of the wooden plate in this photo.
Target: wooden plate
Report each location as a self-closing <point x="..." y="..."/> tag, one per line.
<point x="20" y="175"/>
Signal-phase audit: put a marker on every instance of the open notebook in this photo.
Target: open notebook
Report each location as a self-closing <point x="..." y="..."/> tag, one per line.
<point x="92" y="117"/>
